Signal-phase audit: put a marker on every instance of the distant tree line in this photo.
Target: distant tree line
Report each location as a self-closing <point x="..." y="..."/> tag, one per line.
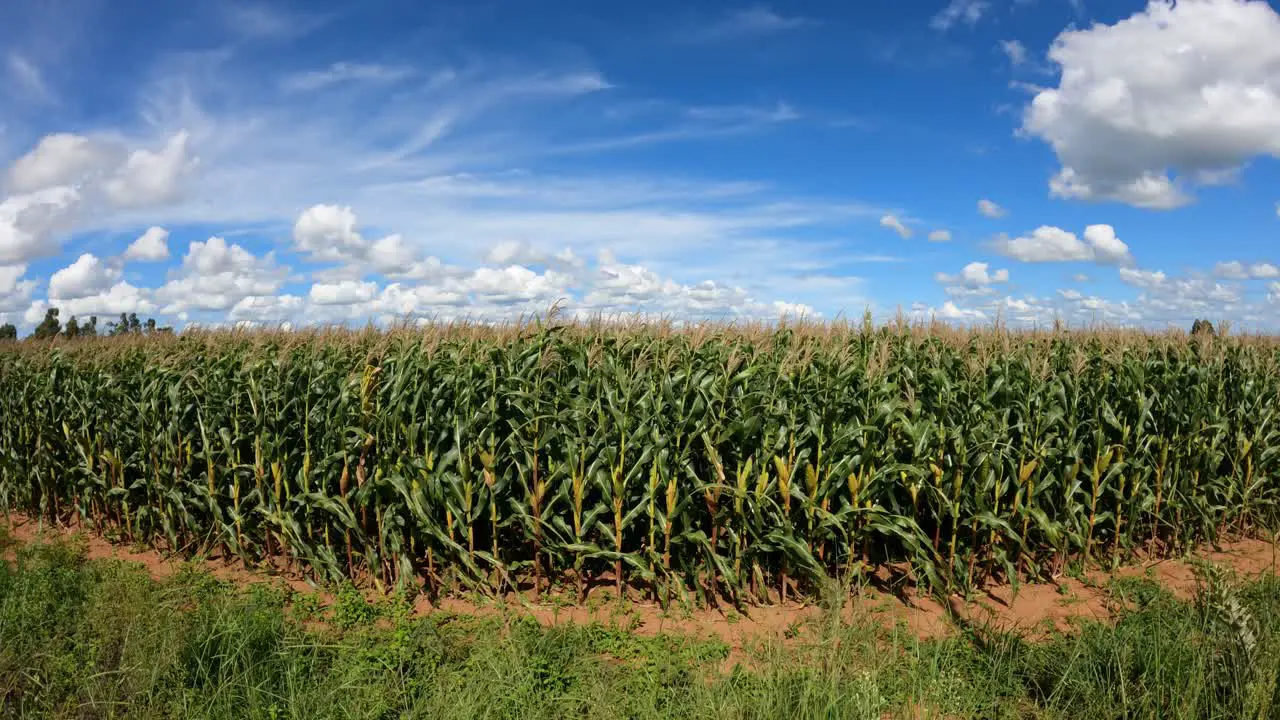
<point x="51" y="327"/>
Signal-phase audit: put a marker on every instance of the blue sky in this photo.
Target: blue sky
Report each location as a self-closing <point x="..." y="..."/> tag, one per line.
<point x="268" y="162"/>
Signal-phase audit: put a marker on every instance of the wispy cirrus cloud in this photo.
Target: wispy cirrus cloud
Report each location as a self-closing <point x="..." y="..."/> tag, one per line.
<point x="968" y="12"/>
<point x="344" y="72"/>
<point x="753" y="21"/>
<point x="443" y="165"/>
<point x="29" y="78"/>
<point x="260" y="21"/>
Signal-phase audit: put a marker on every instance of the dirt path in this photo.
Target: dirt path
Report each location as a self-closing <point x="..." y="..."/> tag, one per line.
<point x="1032" y="609"/>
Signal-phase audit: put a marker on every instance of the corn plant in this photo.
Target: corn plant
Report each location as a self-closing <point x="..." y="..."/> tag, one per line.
<point x="739" y="463"/>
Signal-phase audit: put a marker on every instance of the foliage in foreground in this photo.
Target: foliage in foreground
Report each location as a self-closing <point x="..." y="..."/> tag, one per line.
<point x="739" y="461"/>
<point x="102" y="640"/>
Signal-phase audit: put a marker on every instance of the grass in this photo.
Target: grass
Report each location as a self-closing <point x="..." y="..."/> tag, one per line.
<point x="96" y="639"/>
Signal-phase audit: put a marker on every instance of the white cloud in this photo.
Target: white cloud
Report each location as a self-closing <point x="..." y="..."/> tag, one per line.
<point x="266" y="309"/>
<point x="345" y="292"/>
<point x="119" y="298"/>
<point x="328" y="233"/>
<point x="949" y="311"/>
<point x="345" y="72"/>
<point x="149" y="177"/>
<point x="513" y="284"/>
<point x="940" y="236"/>
<point x="58" y="159"/>
<point x="1107" y="248"/>
<point x="1181" y="298"/>
<point x="1051" y="244"/>
<point x="1150" y="190"/>
<point x="1186" y="90"/>
<point x="1146" y="279"/>
<point x="29" y="77"/>
<point x="151" y="246"/>
<point x="727" y="247"/>
<point x="478" y="184"/>
<point x="215" y="275"/>
<point x="1163" y="301"/>
<point x="1236" y="270"/>
<point x="1045" y="244"/>
<point x="990" y="209"/>
<point x="966" y="11"/>
<point x="747" y="22"/>
<point x="795" y="311"/>
<point x="893" y="223"/>
<point x="522" y="253"/>
<point x="29" y="223"/>
<point x="975" y="274"/>
<point x="1015" y="51"/>
<point x="1080" y="277"/>
<point x="215" y="256"/>
<point x="619" y="289"/>
<point x="87" y="276"/>
<point x="15" y="291"/>
<point x="1264" y="270"/>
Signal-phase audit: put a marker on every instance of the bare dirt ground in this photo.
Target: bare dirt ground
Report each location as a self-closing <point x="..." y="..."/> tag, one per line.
<point x="1033" y="608"/>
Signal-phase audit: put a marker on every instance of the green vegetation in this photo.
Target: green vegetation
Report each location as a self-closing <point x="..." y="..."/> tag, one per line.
<point x="82" y="639"/>
<point x="51" y="327"/>
<point x="708" y="462"/>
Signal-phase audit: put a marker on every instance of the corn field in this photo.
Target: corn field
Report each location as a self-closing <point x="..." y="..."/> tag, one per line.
<point x="748" y="463"/>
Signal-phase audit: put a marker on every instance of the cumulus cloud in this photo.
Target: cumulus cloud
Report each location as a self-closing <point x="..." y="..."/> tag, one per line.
<point x="57" y="160"/>
<point x="514" y="284"/>
<point x="345" y="292"/>
<point x="380" y="159"/>
<point x="68" y="180"/>
<point x="1149" y="106"/>
<point x="615" y="288"/>
<point x="940" y="236"/>
<point x="1052" y="244"/>
<point x="266" y="309"/>
<point x="975" y="274"/>
<point x="327" y="233"/>
<point x="1145" y="279"/>
<point x="88" y="275"/>
<point x="893" y="223"/>
<point x="990" y="209"/>
<point x="1180" y="298"/>
<point x="150" y="177"/>
<point x="1236" y="270"/>
<point x="522" y="253"/>
<point x="119" y="298"/>
<point x="1106" y="247"/>
<point x="151" y="246"/>
<point x="15" y="290"/>
<point x="29" y="223"/>
<point x="949" y="311"/>
<point x="215" y="275"/>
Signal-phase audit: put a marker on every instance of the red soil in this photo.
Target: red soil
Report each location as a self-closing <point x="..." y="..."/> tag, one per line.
<point x="1034" y="608"/>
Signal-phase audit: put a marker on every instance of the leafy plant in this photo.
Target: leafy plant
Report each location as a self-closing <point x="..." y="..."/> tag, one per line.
<point x="718" y="463"/>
